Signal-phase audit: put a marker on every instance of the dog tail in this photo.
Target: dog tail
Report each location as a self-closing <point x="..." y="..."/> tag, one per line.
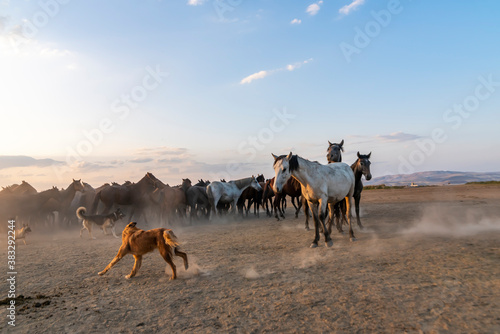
<point x="80" y="212"/>
<point x="170" y="239"/>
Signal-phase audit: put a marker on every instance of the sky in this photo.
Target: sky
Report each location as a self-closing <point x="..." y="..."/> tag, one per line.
<point x="109" y="90"/>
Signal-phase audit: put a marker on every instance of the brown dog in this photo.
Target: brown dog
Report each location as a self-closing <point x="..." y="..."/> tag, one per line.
<point x="139" y="242"/>
<point x="21" y="233"/>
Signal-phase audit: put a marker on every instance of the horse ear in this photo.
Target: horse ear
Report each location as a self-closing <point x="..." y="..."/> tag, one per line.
<point x="369" y="155"/>
<point x="289" y="156"/>
<point x="274" y="156"/>
<point x="330" y="144"/>
<point x="341" y="143"/>
<point x="358" y="155"/>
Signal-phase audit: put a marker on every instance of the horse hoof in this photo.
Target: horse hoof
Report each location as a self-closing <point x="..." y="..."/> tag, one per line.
<point x="307" y="228"/>
<point x="313" y="245"/>
<point x="100" y="273"/>
<point x="352" y="239"/>
<point x="329" y="243"/>
<point x="127" y="276"/>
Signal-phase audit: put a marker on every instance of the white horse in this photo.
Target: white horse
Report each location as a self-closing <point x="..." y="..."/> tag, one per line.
<point x="321" y="185"/>
<point x="229" y="192"/>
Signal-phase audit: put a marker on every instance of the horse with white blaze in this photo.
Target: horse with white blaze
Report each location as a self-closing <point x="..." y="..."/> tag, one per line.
<point x="322" y="185"/>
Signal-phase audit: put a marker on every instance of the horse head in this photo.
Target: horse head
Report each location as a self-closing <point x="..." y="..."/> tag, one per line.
<point x="77" y="185"/>
<point x="255" y="184"/>
<point x="283" y="166"/>
<point x="363" y="164"/>
<point x="334" y="151"/>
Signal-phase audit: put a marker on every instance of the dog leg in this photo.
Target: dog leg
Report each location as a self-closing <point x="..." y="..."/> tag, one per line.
<point x="137" y="265"/>
<point x="89" y="228"/>
<point x="25" y="241"/>
<point x="167" y="256"/>
<point x="114" y="233"/>
<point x="121" y="253"/>
<point x="184" y="257"/>
<point x="83" y="228"/>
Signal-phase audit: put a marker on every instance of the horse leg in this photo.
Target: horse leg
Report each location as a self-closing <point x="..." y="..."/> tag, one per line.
<point x="131" y="214"/>
<point x="349" y="202"/>
<point x="337" y="214"/>
<point x="283" y="206"/>
<point x="331" y="213"/>
<point x="357" y="199"/>
<point x="299" y="205"/>
<point x="322" y="214"/>
<point x="314" y="210"/>
<point x="276" y="204"/>
<point x="306" y="214"/>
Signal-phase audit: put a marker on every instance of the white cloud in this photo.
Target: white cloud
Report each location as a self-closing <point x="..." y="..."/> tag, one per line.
<point x="350" y="7"/>
<point x="12" y="161"/>
<point x="255" y="76"/>
<point x="295" y="66"/>
<point x="263" y="74"/>
<point x="314" y="8"/>
<point x="296" y="21"/>
<point x="398" y="137"/>
<point x="195" y="2"/>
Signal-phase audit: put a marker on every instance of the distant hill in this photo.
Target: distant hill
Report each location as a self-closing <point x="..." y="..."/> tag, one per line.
<point x="433" y="178"/>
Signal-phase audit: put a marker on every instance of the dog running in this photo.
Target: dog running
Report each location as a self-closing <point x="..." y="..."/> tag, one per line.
<point x="21" y="233"/>
<point x="139" y="242"/>
<point x="104" y="221"/>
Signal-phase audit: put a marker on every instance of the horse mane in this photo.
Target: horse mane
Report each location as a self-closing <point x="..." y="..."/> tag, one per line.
<point x="294" y="162"/>
<point x="241" y="182"/>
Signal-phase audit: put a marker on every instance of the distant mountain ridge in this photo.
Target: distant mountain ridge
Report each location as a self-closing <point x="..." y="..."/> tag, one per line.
<point x="433" y="178"/>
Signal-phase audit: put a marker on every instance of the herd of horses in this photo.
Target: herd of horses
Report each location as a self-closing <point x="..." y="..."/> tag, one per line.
<point x="310" y="185"/>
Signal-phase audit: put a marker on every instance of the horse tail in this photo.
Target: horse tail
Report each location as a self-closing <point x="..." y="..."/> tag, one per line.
<point x="170" y="239"/>
<point x="80" y="212"/>
<point x="95" y="202"/>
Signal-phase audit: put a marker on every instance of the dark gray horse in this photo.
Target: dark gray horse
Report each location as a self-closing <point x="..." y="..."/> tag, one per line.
<point x="360" y="167"/>
<point x="197" y="199"/>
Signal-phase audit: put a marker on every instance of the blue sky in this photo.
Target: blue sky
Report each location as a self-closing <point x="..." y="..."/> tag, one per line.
<point x="108" y="90"/>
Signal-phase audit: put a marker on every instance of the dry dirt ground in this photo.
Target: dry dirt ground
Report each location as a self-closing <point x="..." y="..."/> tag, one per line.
<point x="428" y="261"/>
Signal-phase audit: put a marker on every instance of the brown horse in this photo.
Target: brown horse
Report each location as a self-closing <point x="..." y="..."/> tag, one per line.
<point x="66" y="197"/>
<point x="291" y="188"/>
<point x="171" y="200"/>
<point x="23" y="189"/>
<point x="253" y="197"/>
<point x="136" y="195"/>
<point x="267" y="196"/>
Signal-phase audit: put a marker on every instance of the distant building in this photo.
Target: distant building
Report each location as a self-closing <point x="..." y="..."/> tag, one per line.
<point x="413" y="184"/>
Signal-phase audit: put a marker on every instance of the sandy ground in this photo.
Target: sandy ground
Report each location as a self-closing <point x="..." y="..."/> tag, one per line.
<point x="428" y="261"/>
